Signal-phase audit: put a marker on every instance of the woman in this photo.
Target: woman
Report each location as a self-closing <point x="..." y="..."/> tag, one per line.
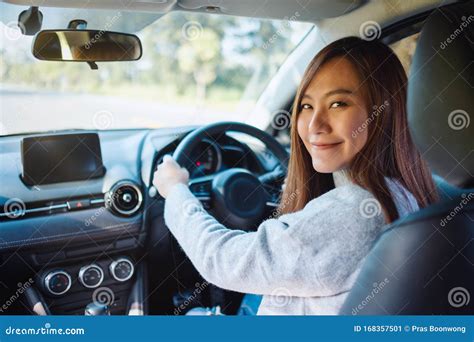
<point x="353" y="168"/>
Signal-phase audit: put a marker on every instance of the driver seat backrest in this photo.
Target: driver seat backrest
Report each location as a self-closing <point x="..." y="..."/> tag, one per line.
<point x="424" y="262"/>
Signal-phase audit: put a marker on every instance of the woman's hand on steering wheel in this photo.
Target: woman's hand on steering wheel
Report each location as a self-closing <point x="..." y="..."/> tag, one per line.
<point x="168" y="174"/>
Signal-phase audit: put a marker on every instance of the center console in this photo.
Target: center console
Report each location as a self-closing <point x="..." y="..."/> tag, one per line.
<point x="83" y="224"/>
<point x="68" y="290"/>
<point x="116" y="283"/>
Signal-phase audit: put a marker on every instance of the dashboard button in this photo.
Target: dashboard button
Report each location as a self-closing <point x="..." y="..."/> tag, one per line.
<point x="78" y="204"/>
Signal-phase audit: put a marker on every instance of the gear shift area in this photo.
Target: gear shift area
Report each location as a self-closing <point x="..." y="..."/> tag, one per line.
<point x="97" y="309"/>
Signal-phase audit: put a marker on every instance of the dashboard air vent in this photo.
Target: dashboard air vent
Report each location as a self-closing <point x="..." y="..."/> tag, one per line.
<point x="124" y="198"/>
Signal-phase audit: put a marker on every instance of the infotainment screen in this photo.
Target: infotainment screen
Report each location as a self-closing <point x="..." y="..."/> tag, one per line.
<point x="50" y="159"/>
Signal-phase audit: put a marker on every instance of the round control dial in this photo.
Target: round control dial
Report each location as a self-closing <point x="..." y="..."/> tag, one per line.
<point x="57" y="282"/>
<point x="91" y="276"/>
<point x="122" y="269"/>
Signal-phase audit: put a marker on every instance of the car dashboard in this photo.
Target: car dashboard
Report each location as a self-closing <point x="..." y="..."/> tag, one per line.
<point x="75" y="237"/>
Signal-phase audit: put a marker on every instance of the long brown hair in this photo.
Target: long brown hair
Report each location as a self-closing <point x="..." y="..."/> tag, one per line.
<point x="389" y="150"/>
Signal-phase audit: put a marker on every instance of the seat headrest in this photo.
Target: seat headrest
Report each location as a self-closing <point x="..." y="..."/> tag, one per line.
<point x="441" y="93"/>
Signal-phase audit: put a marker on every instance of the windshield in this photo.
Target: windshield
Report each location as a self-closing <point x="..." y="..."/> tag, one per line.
<point x="195" y="69"/>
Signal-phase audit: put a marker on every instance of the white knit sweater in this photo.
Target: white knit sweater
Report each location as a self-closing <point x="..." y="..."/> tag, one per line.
<point x="303" y="263"/>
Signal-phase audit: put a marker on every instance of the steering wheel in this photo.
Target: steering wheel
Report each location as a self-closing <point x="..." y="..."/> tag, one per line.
<point x="237" y="197"/>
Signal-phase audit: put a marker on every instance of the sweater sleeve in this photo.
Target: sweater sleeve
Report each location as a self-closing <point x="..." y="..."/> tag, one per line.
<point x="309" y="253"/>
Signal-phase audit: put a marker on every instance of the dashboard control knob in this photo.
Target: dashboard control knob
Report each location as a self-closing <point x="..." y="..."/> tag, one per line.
<point x="91" y="276"/>
<point x="57" y="282"/>
<point x="122" y="269"/>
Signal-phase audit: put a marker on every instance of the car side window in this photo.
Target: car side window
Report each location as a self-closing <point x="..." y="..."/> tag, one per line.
<point x="405" y="49"/>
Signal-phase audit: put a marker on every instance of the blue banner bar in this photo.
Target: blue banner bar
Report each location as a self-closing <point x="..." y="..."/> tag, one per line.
<point x="237" y="328"/>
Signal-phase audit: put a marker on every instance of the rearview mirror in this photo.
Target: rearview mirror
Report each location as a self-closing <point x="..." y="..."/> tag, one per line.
<point x="86" y="46"/>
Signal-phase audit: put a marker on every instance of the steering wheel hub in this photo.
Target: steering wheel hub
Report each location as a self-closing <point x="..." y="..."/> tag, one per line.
<point x="239" y="196"/>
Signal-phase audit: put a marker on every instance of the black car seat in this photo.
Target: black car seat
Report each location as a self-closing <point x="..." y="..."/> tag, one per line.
<point x="423" y="264"/>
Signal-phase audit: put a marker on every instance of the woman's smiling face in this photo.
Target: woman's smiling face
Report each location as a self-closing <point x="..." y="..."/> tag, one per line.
<point x="332" y="108"/>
